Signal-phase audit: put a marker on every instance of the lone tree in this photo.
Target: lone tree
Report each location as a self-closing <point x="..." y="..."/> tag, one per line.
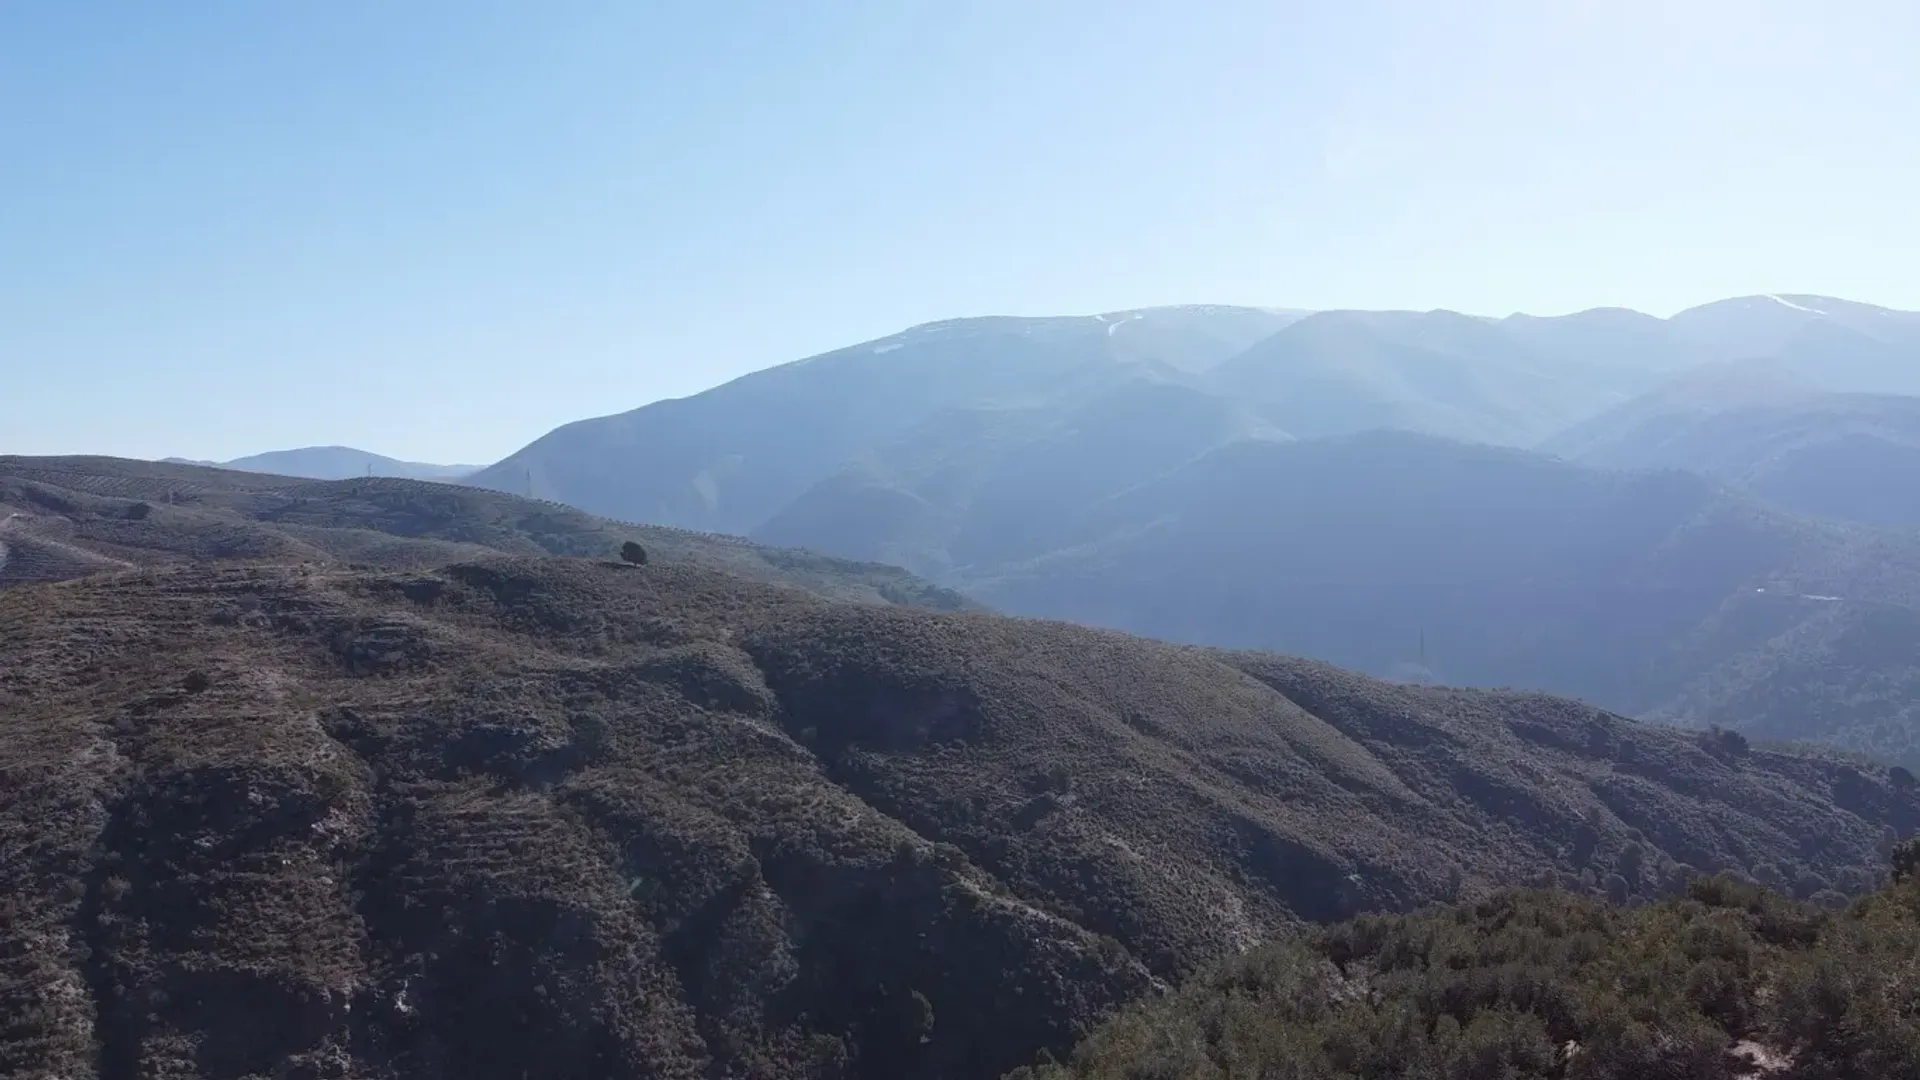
<point x="1902" y="778"/>
<point x="633" y="553"/>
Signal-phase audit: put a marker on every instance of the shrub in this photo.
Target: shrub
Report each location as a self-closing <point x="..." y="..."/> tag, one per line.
<point x="1549" y="984"/>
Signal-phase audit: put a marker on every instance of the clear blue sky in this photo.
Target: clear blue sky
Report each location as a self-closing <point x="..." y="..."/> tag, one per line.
<point x="437" y="228"/>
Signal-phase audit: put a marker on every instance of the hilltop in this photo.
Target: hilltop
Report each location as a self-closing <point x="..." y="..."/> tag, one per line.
<point x="561" y="817"/>
<point x="334" y="463"/>
<point x="67" y="517"/>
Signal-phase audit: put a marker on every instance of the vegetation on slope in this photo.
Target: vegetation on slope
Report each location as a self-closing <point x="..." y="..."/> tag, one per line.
<point x="574" y="818"/>
<point x="1760" y="429"/>
<point x="1727" y="981"/>
<point x="65" y="517"/>
<point x="1413" y="557"/>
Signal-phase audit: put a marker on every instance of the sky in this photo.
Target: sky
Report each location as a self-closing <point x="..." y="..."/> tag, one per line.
<point x="437" y="229"/>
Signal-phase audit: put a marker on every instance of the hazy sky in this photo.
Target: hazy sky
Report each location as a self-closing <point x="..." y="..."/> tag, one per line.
<point x="437" y="228"/>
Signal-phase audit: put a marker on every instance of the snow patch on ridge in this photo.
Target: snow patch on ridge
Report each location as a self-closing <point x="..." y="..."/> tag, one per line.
<point x="1783" y="301"/>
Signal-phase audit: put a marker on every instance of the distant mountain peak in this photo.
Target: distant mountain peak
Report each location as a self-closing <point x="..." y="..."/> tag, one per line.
<point x="333" y="462"/>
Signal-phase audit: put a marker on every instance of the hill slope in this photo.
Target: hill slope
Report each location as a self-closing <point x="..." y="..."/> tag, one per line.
<point x="1835" y="344"/>
<point x="1730" y="982"/>
<point x="1849" y="456"/>
<point x="730" y="458"/>
<point x="976" y="441"/>
<point x="1403" y="555"/>
<point x="334" y="463"/>
<point x="1439" y="372"/>
<point x="982" y="485"/>
<point x="65" y="517"/>
<point x="563" y="818"/>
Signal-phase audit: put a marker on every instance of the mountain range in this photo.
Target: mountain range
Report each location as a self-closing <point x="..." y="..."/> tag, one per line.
<point x="334" y="463"/>
<point x="392" y="778"/>
<point x="732" y="457"/>
<point x="1675" y="517"/>
<point x="68" y="518"/>
<point x="386" y="778"/>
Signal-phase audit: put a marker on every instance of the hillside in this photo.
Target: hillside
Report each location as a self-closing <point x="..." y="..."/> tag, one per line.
<point x="1439" y="372"/>
<point x="337" y="463"/>
<point x="1413" y="557"/>
<point x="1834" y="344"/>
<point x="739" y="456"/>
<point x="730" y="458"/>
<point x="982" y="485"/>
<point x="975" y="442"/>
<point x="538" y="816"/>
<point x="1251" y="498"/>
<point x="1850" y="456"/>
<point x="1728" y="982"/>
<point x="67" y="517"/>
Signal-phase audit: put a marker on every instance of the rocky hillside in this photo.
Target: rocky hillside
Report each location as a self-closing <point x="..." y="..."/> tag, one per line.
<point x="67" y="517"/>
<point x="528" y="816"/>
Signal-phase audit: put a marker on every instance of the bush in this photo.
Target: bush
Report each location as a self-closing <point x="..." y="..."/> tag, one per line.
<point x="1724" y="742"/>
<point x="1549" y="984"/>
<point x="633" y="553"/>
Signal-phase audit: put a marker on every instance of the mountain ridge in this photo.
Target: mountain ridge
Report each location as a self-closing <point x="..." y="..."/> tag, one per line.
<point x="718" y="459"/>
<point x="69" y="517"/>
<point x="333" y="463"/>
<point x="1013" y="459"/>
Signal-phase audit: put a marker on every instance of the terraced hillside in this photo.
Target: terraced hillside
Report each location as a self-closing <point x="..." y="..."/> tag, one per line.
<point x="527" y="816"/>
<point x="66" y="517"/>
